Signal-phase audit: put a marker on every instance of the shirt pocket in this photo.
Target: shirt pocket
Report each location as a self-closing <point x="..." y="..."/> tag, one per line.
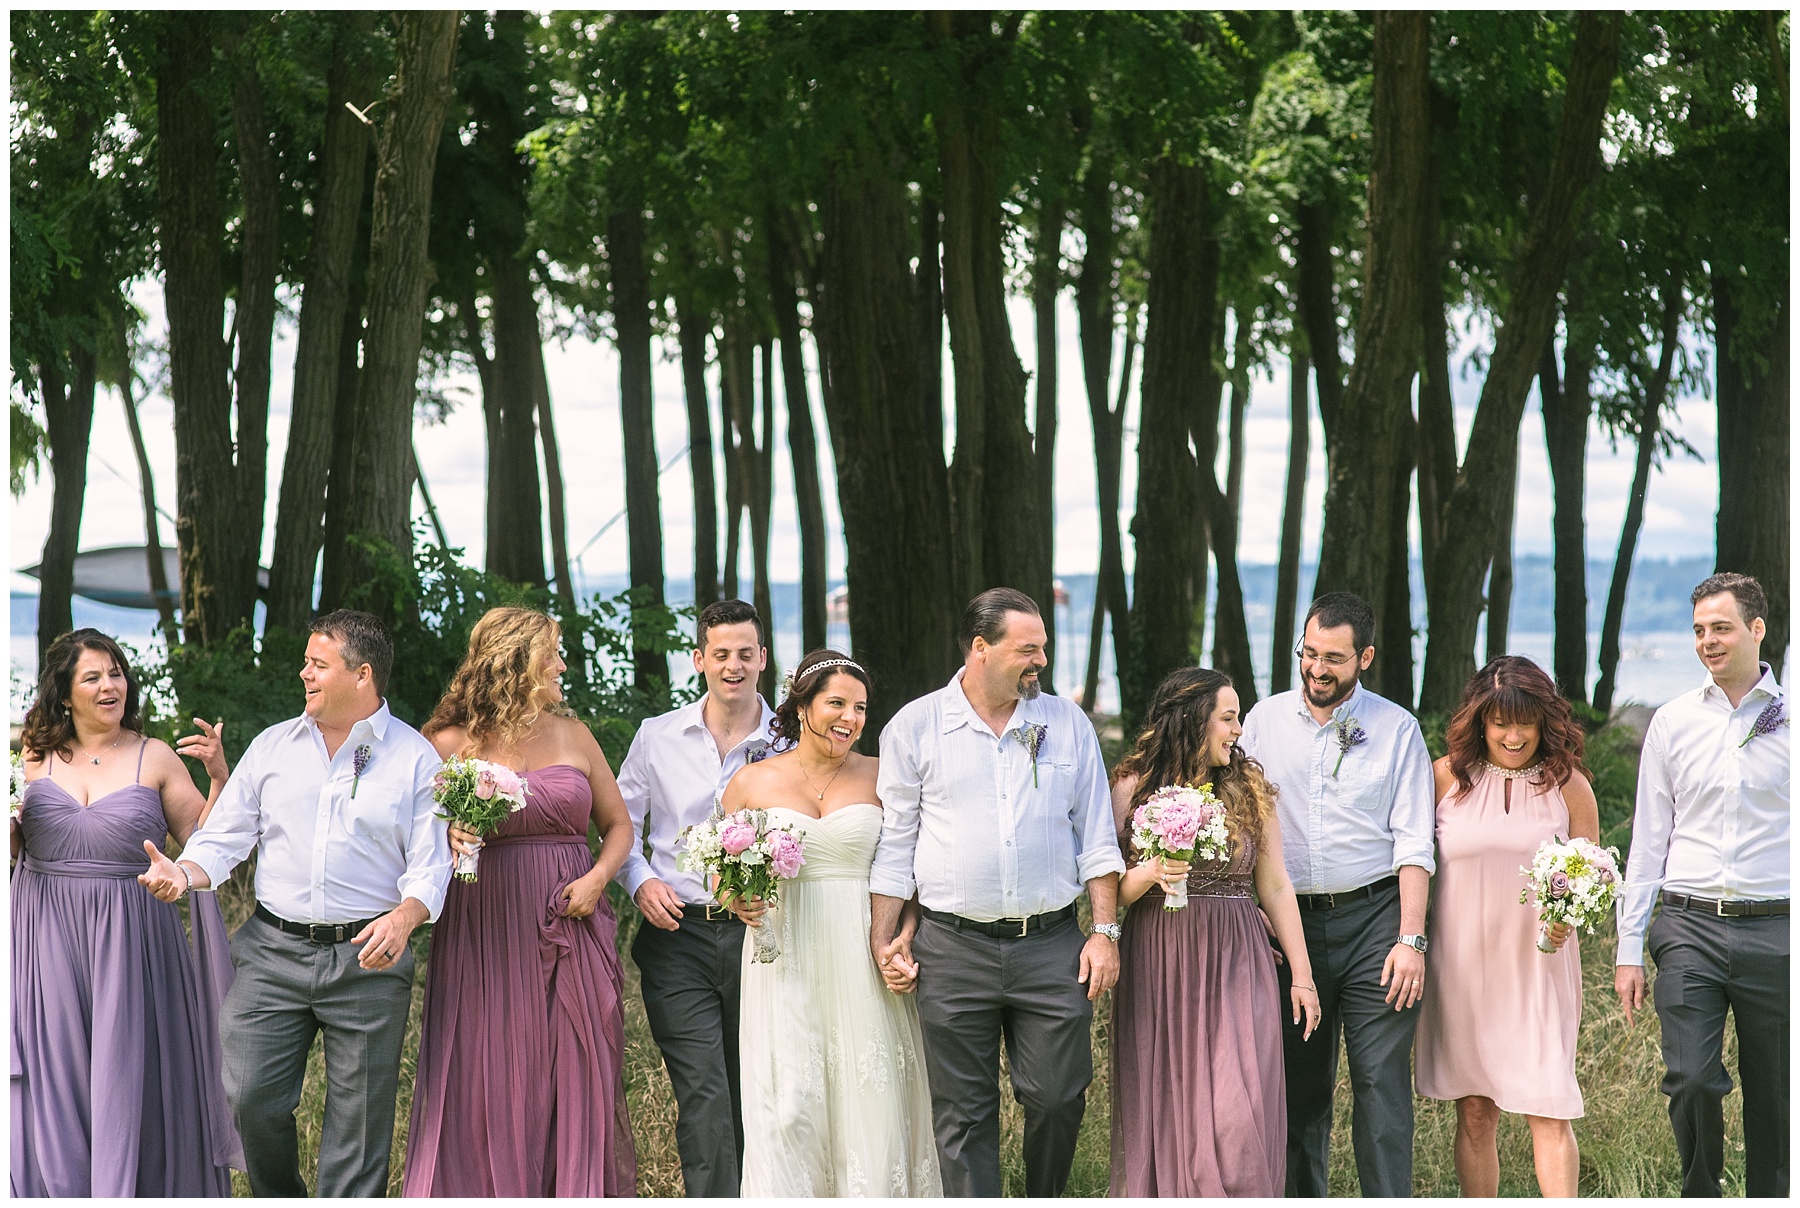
<point x="370" y="814"/>
<point x="1360" y="784"/>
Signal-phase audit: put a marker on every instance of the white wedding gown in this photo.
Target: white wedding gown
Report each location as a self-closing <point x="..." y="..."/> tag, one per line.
<point x="834" y="1091"/>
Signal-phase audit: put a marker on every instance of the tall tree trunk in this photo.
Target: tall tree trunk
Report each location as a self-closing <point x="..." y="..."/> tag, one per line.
<point x="1317" y="298"/>
<point x="343" y="434"/>
<point x="1568" y="406"/>
<point x="516" y="546"/>
<point x="1231" y="633"/>
<point x="493" y="418"/>
<point x="1436" y="456"/>
<point x="643" y="504"/>
<point x="153" y="548"/>
<point x="1045" y="281"/>
<point x="1293" y="519"/>
<point x="1500" y="573"/>
<point x="1171" y="550"/>
<point x="69" y="423"/>
<point x="1234" y="429"/>
<point x="1375" y="414"/>
<point x="1472" y="513"/>
<point x="1753" y="449"/>
<point x="994" y="491"/>
<point x="1096" y="294"/>
<point x="380" y="493"/>
<point x="700" y="451"/>
<point x="553" y="479"/>
<point x="1649" y="429"/>
<point x="736" y="375"/>
<point x="300" y="511"/>
<point x="809" y="499"/>
<point x="216" y="595"/>
<point x="1393" y="667"/>
<point x="254" y="320"/>
<point x="928" y="293"/>
<point x="888" y="440"/>
<point x="762" y="505"/>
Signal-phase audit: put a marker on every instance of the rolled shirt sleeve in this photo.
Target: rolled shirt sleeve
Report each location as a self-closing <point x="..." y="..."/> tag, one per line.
<point x="900" y="787"/>
<point x="233" y="827"/>
<point x="1652" y="823"/>
<point x="1413" y="820"/>
<point x="427" y="874"/>
<point x="634" y="786"/>
<point x="1096" y="842"/>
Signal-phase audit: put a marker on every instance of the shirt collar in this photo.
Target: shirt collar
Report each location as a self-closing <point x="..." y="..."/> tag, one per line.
<point x="693" y="717"/>
<point x="958" y="711"/>
<point x="375" y="724"/>
<point x="1767" y="685"/>
<point x="1345" y="708"/>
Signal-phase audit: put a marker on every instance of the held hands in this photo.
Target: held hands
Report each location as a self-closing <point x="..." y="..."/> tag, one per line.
<point x="384" y="939"/>
<point x="898" y="969"/>
<point x="1404" y="976"/>
<point x="165" y="879"/>
<point x="1099" y="965"/>
<point x="659" y="905"/>
<point x="1305" y="1001"/>
<point x="581" y="897"/>
<point x="208" y="747"/>
<point x="1628" y="982"/>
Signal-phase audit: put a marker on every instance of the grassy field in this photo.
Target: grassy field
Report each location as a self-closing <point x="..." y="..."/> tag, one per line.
<point x="1627" y="1148"/>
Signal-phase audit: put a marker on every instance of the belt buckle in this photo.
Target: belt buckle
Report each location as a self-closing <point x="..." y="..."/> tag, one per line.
<point x="324" y="933"/>
<point x="1719" y="909"/>
<point x="1024" y="928"/>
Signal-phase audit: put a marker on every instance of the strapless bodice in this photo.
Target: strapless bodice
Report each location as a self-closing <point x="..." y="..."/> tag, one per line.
<point x="558" y="802"/>
<point x="103" y="838"/>
<point x="839" y="846"/>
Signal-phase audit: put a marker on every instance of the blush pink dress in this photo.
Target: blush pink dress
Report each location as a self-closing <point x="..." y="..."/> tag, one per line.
<point x="1499" y="1017"/>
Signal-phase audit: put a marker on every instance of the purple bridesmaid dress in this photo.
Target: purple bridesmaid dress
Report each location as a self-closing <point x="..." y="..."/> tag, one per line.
<point x="1199" y="1098"/>
<point x="521" y="1079"/>
<point x="115" y="1039"/>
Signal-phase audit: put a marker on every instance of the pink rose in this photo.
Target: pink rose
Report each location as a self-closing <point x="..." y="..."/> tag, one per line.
<point x="485" y="785"/>
<point x="1606" y="875"/>
<point x="736" y="837"/>
<point x="785" y="854"/>
<point x="440" y="781"/>
<point x="1559" y="884"/>
<point x="507" y="782"/>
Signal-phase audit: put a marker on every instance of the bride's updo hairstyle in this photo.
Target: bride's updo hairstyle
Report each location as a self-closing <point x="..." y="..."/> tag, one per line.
<point x="1171" y="749"/>
<point x="498" y="692"/>
<point x="804" y="685"/>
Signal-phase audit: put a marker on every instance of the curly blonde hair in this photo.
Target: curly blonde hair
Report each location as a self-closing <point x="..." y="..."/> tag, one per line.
<point x="498" y="692"/>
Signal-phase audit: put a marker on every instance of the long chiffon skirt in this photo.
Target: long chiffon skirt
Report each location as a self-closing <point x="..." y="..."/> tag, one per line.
<point x="1199" y="1100"/>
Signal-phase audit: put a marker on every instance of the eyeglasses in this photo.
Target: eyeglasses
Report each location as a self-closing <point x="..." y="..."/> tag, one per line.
<point x="1313" y="656"/>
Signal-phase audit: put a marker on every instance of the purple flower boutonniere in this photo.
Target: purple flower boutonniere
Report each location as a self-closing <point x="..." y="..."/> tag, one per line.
<point x="359" y="763"/>
<point x="1772" y="718"/>
<point x="1031" y="737"/>
<point x="758" y="754"/>
<point x="1349" y="734"/>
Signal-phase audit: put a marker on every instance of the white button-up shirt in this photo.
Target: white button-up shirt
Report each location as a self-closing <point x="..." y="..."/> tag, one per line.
<point x="1344" y="825"/>
<point x="969" y="825"/>
<point x="323" y="855"/>
<point x="1712" y="810"/>
<point x="671" y="779"/>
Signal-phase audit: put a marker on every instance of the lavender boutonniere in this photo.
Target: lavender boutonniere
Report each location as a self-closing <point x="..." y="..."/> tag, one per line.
<point x="1349" y="734"/>
<point x="1772" y="718"/>
<point x="359" y="763"/>
<point x="758" y="754"/>
<point x="1031" y="737"/>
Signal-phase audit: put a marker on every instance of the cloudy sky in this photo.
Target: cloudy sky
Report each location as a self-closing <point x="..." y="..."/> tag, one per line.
<point x="584" y="386"/>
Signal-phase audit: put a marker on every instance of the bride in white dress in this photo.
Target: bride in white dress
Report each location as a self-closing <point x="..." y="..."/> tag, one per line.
<point x="835" y="1099"/>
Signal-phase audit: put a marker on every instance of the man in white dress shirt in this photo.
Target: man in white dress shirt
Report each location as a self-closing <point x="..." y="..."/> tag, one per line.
<point x="996" y="813"/>
<point x="350" y="859"/>
<point x="690" y="950"/>
<point x="1710" y="835"/>
<point x="1355" y="800"/>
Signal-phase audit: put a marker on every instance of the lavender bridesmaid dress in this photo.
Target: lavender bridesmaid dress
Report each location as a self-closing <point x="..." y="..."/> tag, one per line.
<point x="115" y="1039"/>
<point x="521" y="1077"/>
<point x="1199" y="1100"/>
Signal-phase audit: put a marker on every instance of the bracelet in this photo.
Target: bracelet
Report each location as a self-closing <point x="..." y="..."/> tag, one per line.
<point x="1298" y="986"/>
<point x="187" y="876"/>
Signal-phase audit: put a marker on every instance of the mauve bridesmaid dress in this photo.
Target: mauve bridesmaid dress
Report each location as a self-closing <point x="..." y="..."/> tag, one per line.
<point x="1199" y="1100"/>
<point x="521" y="1077"/>
<point x="116" y="1088"/>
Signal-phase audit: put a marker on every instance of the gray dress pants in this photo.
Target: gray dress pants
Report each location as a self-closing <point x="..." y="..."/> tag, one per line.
<point x="1348" y="945"/>
<point x="689" y="979"/>
<point x="286" y="990"/>
<point x="975" y="989"/>
<point x="1706" y="965"/>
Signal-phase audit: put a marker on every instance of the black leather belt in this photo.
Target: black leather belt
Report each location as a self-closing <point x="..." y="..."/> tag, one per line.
<point x="712" y="912"/>
<point x="316" y="933"/>
<point x="1003" y="929"/>
<point x="1728" y="908"/>
<point x="1331" y="901"/>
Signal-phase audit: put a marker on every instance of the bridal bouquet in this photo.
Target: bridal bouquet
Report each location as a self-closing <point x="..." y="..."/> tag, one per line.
<point x="750" y="856"/>
<point x="16" y="802"/>
<point x="1181" y="822"/>
<point x="477" y="796"/>
<point x="1573" y="882"/>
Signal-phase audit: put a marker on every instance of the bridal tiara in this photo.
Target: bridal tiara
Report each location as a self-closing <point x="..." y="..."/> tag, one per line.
<point x="787" y="681"/>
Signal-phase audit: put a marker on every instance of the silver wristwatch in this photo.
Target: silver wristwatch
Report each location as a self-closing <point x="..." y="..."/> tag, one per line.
<point x="1111" y="931"/>
<point x="1416" y="942"/>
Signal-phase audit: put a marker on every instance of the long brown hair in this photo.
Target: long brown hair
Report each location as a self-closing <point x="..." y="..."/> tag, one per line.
<point x="1513" y="688"/>
<point x="50" y="726"/>
<point x="1171" y="749"/>
<point x="497" y="693"/>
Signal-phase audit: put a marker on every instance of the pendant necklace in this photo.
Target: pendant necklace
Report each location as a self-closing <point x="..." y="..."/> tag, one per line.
<point x="95" y="759"/>
<point x="809" y="782"/>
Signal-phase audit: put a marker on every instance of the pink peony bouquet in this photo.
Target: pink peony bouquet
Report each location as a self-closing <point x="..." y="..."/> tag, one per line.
<point x="1181" y="822"/>
<point x="750" y="857"/>
<point x="477" y="796"/>
<point x="1573" y="882"/>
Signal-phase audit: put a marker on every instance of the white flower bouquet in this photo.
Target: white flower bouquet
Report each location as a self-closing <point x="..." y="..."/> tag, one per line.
<point x="1572" y="881"/>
